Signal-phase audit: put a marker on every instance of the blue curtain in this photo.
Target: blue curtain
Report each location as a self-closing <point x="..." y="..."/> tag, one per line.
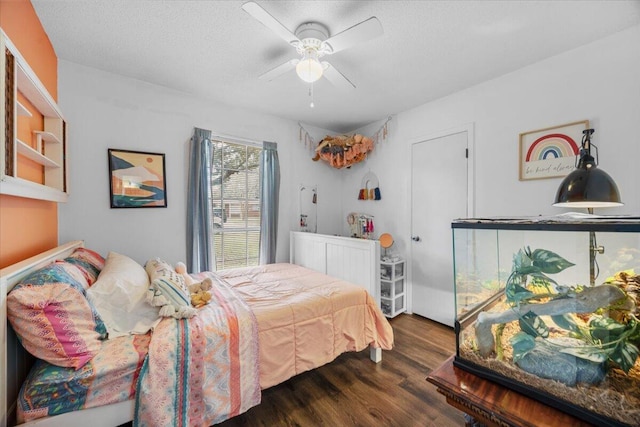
<point x="269" y="200"/>
<point x="200" y="254"/>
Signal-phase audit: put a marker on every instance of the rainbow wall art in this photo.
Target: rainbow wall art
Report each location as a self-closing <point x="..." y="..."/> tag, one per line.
<point x="552" y="146"/>
<point x="550" y="152"/>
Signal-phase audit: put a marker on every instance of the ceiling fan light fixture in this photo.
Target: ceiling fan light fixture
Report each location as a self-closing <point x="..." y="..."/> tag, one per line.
<point x="309" y="69"/>
<point x="312" y="41"/>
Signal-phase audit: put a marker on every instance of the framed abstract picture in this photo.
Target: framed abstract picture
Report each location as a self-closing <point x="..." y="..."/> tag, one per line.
<point x="137" y="179"/>
<point x="550" y="152"/>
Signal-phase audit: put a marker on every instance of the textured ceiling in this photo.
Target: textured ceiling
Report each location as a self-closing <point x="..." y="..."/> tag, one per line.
<point x="215" y="50"/>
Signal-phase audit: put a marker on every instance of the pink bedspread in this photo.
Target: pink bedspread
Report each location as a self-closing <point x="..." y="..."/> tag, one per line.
<point x="203" y="370"/>
<point x="305" y="318"/>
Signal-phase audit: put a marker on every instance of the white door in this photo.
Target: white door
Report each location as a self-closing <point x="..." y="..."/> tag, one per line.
<point x="439" y="194"/>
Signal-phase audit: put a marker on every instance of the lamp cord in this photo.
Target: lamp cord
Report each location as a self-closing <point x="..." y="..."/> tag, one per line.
<point x="585" y="149"/>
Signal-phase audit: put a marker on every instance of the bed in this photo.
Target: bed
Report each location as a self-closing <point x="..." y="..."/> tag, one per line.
<point x="281" y="330"/>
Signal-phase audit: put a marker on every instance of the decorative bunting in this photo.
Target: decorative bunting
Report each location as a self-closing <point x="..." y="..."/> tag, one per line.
<point x="382" y="132"/>
<point x="379" y="135"/>
<point x="306" y="137"/>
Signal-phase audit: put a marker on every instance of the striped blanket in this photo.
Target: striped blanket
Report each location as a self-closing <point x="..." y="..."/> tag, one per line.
<point x="204" y="370"/>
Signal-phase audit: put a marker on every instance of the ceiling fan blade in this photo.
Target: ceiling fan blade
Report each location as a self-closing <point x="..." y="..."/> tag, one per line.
<point x="255" y="10"/>
<point x="279" y="70"/>
<point x="336" y="77"/>
<point x="366" y="30"/>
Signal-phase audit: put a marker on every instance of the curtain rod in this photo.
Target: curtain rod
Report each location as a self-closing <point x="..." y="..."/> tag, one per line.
<point x="236" y="139"/>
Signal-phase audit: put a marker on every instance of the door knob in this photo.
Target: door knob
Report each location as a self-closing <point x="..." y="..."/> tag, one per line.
<point x="416" y="238"/>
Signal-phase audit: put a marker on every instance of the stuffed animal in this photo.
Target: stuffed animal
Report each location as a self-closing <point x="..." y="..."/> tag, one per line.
<point x="181" y="269"/>
<point x="168" y="291"/>
<point x="343" y="151"/>
<point x="200" y="294"/>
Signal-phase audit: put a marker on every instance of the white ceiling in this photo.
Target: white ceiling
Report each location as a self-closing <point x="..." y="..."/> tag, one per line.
<point x="215" y="50"/>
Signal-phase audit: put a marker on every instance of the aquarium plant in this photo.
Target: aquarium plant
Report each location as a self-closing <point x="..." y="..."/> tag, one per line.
<point x="602" y="321"/>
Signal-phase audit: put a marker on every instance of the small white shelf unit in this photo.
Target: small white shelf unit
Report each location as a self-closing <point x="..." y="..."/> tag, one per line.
<point x="47" y="147"/>
<point x="393" y="299"/>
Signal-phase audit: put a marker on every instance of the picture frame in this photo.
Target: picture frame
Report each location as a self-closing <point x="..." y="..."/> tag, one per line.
<point x="137" y="179"/>
<point x="550" y="152"/>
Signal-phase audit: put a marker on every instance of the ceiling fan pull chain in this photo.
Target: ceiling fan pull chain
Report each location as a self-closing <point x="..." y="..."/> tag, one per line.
<point x="311" y="105"/>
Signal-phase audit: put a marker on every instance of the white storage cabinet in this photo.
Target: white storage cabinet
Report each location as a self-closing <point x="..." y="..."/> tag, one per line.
<point x="392" y="287"/>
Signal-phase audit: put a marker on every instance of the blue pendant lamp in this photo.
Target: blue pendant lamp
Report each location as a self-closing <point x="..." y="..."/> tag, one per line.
<point x="588" y="186"/>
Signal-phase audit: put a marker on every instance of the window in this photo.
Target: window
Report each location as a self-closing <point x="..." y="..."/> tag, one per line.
<point x="235" y="202"/>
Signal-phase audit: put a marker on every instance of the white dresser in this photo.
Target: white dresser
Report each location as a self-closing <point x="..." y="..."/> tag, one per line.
<point x="354" y="260"/>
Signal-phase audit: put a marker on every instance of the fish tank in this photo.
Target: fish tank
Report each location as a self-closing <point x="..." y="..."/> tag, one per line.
<point x="550" y="307"/>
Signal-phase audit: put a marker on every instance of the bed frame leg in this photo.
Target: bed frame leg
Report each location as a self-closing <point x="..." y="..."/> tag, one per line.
<point x="375" y="354"/>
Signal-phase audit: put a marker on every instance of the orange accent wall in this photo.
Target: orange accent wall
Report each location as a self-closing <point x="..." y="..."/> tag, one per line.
<point x="28" y="226"/>
<point x="20" y="22"/>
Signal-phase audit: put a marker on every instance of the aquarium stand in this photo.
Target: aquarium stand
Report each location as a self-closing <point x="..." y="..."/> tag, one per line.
<point x="491" y="404"/>
<point x="537" y="394"/>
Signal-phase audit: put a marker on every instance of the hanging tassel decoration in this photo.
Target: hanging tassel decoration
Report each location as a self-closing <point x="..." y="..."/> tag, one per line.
<point x="376" y="193"/>
<point x="361" y="195"/>
<point x="371" y="194"/>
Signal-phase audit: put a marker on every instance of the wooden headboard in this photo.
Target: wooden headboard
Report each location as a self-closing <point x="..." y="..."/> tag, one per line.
<point x="15" y="362"/>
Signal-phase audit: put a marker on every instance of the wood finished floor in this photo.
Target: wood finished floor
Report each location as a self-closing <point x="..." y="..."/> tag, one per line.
<point x="353" y="391"/>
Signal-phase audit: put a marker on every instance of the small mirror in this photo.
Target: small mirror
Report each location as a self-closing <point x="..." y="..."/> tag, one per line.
<point x="386" y="240"/>
<point x="308" y="208"/>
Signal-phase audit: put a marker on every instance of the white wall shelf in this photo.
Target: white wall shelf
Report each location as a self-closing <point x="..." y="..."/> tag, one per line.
<point x="22" y="110"/>
<point x="46" y="136"/>
<point x="22" y="188"/>
<point x="50" y="146"/>
<point x="32" y="154"/>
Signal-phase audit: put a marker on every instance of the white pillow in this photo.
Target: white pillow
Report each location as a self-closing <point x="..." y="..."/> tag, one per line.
<point x="119" y="295"/>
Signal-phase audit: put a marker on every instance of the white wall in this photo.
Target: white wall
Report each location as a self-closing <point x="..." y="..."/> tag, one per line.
<point x="104" y="111"/>
<point x="599" y="82"/>
<point x="328" y="181"/>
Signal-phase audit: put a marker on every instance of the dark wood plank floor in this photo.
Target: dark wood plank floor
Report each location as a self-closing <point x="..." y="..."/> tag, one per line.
<point x="354" y="391"/>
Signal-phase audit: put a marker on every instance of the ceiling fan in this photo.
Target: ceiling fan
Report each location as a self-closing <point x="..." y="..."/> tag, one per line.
<point x="312" y="42"/>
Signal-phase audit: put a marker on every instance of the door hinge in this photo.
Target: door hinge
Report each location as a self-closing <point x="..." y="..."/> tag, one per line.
<point x="466" y="153"/>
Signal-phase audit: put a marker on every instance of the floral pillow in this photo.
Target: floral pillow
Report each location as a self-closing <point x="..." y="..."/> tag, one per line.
<point x="89" y="262"/>
<point x="168" y="290"/>
<point x="52" y="317"/>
